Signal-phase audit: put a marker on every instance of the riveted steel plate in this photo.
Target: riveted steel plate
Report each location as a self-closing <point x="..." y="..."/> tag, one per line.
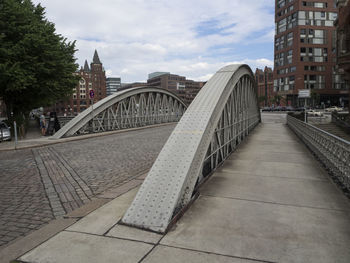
<point x="223" y="112"/>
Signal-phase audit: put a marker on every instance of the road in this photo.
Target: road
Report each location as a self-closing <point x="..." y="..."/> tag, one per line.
<point x="40" y="184"/>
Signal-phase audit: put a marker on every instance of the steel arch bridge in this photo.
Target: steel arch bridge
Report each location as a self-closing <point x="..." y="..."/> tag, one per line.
<point x="135" y="107"/>
<point x="220" y="117"/>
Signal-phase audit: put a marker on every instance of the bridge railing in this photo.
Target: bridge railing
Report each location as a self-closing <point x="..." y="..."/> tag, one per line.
<point x="341" y="120"/>
<point x="332" y="151"/>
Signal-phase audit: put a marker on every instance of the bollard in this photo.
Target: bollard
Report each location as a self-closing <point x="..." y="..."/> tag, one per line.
<point x="15" y="129"/>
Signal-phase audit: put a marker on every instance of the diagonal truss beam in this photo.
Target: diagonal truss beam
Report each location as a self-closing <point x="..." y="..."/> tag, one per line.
<point x="130" y="108"/>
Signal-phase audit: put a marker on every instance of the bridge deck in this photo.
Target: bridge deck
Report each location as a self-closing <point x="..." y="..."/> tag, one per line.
<point x="270" y="202"/>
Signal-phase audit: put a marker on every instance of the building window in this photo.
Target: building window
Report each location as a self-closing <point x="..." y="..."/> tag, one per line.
<point x="312" y="36"/>
<point x="290" y="39"/>
<point x="314" y="81"/>
<point x="281" y="3"/>
<point x="315" y="4"/>
<point x="314" y="54"/>
<point x="316" y="18"/>
<point x="289" y="56"/>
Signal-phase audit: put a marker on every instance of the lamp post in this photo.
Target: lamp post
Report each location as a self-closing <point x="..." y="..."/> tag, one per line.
<point x="92" y="94"/>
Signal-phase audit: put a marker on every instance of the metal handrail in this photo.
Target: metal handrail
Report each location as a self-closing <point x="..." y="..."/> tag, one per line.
<point x="340" y="122"/>
<point x="332" y="151"/>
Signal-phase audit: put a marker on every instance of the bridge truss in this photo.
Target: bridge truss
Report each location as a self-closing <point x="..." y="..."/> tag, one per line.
<point x="220" y="117"/>
<point x="130" y="108"/>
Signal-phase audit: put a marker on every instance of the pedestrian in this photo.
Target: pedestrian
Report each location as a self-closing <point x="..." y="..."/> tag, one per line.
<point x="42" y="124"/>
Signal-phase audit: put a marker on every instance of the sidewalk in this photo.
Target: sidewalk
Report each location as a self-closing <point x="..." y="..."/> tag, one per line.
<point x="270" y="202"/>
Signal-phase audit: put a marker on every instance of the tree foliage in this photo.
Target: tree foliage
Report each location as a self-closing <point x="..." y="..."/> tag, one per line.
<point x="276" y="99"/>
<point x="262" y="98"/>
<point x="36" y="63"/>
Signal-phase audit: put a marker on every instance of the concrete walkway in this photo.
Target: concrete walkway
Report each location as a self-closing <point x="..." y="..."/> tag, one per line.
<point x="270" y="202"/>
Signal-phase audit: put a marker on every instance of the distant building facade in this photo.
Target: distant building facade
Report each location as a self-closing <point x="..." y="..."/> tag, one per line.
<point x="304" y="50"/>
<point x="343" y="47"/>
<point x="186" y="89"/>
<point x="264" y="82"/>
<point x="125" y="86"/>
<point x="112" y="85"/>
<point x="92" y="77"/>
<point x="156" y="74"/>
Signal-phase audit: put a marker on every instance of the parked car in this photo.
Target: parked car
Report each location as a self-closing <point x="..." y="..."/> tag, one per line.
<point x="333" y="108"/>
<point x="5" y="132"/>
<point x="314" y="113"/>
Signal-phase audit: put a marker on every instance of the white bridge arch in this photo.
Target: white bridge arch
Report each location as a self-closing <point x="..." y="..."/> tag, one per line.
<point x="222" y="114"/>
<point x="129" y="108"/>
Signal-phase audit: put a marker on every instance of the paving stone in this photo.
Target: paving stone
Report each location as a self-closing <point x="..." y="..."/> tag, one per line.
<point x="30" y="180"/>
<point x="87" y="248"/>
<point x="14" y="234"/>
<point x="101" y="220"/>
<point x="176" y="255"/>
<point x="132" y="233"/>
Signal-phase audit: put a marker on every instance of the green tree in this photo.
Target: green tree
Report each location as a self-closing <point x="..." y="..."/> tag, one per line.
<point x="276" y="99"/>
<point x="262" y="100"/>
<point x="36" y="63"/>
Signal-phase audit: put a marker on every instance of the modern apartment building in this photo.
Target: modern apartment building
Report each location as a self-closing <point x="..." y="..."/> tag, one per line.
<point x="343" y="46"/>
<point x="186" y="89"/>
<point x="112" y="85"/>
<point x="264" y="81"/>
<point x="305" y="50"/>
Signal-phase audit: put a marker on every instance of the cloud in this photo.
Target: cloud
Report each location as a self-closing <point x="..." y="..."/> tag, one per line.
<point x="193" y="38"/>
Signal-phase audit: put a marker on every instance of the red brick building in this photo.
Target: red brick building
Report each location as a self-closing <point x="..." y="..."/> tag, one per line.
<point x="343" y="45"/>
<point x="304" y="54"/>
<point x="264" y="82"/>
<point x="93" y="77"/>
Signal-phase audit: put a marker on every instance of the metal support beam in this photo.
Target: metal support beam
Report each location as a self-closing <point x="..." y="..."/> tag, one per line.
<point x="130" y="108"/>
<point x="222" y="114"/>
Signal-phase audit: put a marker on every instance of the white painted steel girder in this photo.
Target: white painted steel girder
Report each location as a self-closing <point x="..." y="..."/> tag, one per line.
<point x="129" y="108"/>
<point x="221" y="115"/>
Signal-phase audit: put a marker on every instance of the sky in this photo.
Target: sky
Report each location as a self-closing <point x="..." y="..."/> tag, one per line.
<point x="192" y="38"/>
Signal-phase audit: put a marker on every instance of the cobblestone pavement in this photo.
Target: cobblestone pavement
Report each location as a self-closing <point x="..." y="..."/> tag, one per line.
<point x="44" y="183"/>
